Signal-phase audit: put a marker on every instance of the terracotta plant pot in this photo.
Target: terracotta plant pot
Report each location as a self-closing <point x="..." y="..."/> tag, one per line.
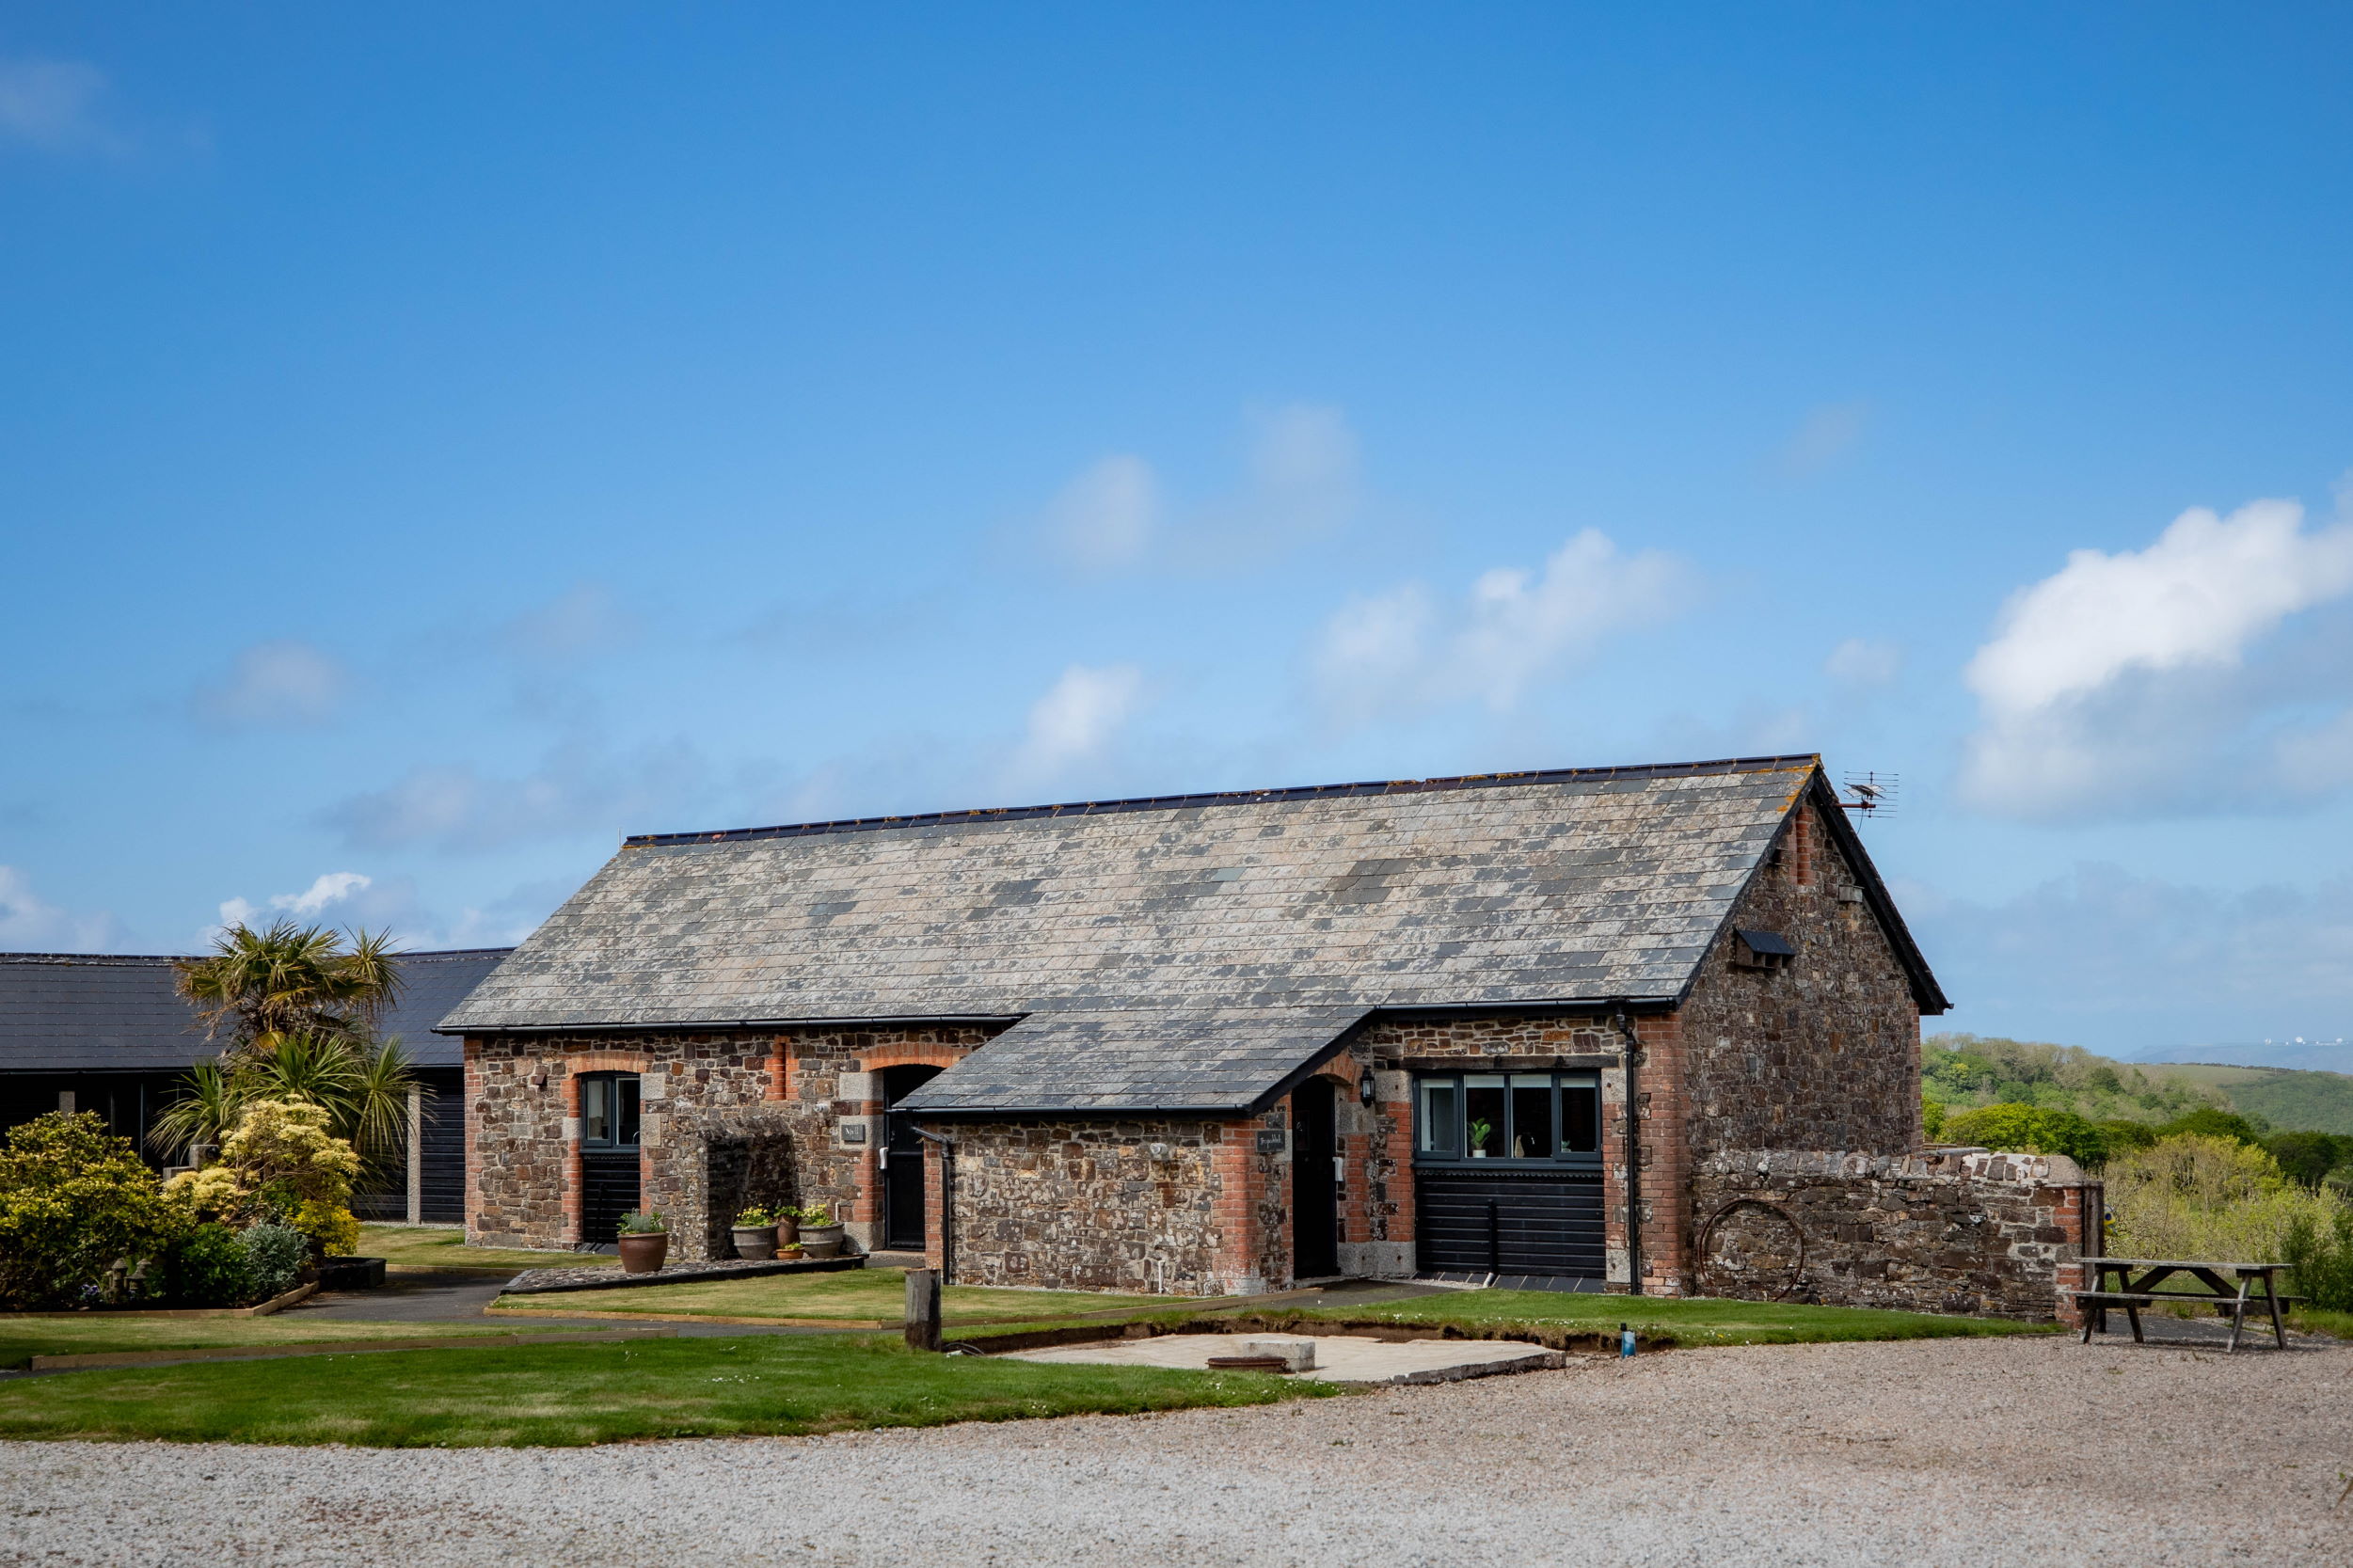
<point x="643" y="1253"/>
<point x="821" y="1240"/>
<point x="754" y="1243"/>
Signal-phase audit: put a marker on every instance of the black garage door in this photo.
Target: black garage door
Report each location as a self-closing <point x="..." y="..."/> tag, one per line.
<point x="1543" y="1224"/>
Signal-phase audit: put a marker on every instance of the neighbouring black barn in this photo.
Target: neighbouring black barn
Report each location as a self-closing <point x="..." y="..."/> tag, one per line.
<point x="108" y="1033"/>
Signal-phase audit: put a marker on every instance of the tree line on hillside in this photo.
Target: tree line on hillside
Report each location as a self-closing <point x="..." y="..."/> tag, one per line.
<point x="2186" y="1175"/>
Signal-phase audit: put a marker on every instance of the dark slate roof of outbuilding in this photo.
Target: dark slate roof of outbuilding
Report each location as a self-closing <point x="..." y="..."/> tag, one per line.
<point x="86" y="1012"/>
<point x="1214" y="1060"/>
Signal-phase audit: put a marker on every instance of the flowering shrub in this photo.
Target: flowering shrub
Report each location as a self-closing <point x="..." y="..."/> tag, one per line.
<point x="74" y="1201"/>
<point x="281" y="1162"/>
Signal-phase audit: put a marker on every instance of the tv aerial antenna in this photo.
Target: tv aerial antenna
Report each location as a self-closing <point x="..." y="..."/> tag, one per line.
<point x="1873" y="795"/>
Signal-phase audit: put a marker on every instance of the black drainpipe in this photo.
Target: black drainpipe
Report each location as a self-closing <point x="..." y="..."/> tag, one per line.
<point x="1625" y="1027"/>
<point x="947" y="1205"/>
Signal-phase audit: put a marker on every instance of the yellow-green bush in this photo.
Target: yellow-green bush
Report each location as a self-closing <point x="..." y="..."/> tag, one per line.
<point x="2196" y="1197"/>
<point x="281" y="1162"/>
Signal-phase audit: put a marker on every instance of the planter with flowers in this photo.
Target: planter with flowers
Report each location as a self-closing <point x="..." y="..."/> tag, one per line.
<point x="821" y="1232"/>
<point x="754" y="1234"/>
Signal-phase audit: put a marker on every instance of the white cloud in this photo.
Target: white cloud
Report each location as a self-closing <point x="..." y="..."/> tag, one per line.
<point x="1827" y="434"/>
<point x="281" y="684"/>
<point x="55" y="105"/>
<point x="1406" y="650"/>
<point x="1077" y="718"/>
<point x="2122" y="680"/>
<point x="1105" y="519"/>
<point x="29" y="923"/>
<point x="578" y="789"/>
<point x="577" y="625"/>
<point x="353" y="901"/>
<point x="1859" y="661"/>
<point x="1301" y="483"/>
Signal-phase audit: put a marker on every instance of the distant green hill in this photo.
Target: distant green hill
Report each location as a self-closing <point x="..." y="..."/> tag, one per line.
<point x="1961" y="1071"/>
<point x="2290" y="1099"/>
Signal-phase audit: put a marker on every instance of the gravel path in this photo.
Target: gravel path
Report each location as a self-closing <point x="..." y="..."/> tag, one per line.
<point x="1962" y="1453"/>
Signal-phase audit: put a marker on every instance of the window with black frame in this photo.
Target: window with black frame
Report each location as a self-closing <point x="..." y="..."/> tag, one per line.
<point x="608" y="1110"/>
<point x="1523" y="1117"/>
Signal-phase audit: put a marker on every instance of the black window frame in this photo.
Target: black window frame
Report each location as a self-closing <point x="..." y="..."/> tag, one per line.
<point x="1456" y="1153"/>
<point x="630" y="1118"/>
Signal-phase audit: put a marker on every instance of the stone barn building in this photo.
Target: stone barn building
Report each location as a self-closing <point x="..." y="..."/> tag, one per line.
<point x="1541" y="1026"/>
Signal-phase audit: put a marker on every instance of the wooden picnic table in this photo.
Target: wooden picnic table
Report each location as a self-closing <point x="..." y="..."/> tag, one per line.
<point x="2135" y="1286"/>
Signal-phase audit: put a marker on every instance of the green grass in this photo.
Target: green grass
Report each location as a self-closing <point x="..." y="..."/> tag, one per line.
<point x="444" y="1247"/>
<point x="2315" y="1320"/>
<point x="1656" y="1319"/>
<point x="90" y="1333"/>
<point x="851" y="1295"/>
<point x="565" y="1395"/>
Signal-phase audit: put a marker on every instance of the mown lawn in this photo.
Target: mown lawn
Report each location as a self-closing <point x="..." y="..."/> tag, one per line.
<point x="89" y="1332"/>
<point x="444" y="1247"/>
<point x="1661" y="1320"/>
<point x="849" y="1296"/>
<point x="568" y="1395"/>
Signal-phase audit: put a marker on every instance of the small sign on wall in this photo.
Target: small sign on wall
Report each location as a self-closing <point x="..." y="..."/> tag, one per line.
<point x="853" y="1132"/>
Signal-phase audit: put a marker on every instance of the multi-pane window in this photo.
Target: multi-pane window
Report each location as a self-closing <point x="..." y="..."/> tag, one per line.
<point x="1552" y="1116"/>
<point x="608" y="1110"/>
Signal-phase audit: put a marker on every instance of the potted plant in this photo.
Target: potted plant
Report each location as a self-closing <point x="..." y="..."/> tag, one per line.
<point x="821" y="1232"/>
<point x="645" y="1242"/>
<point x="1479" y="1131"/>
<point x="754" y="1233"/>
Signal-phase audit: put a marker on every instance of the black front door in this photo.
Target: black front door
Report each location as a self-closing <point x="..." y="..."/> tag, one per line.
<point x="608" y="1154"/>
<point x="902" y="1160"/>
<point x="1314" y="1181"/>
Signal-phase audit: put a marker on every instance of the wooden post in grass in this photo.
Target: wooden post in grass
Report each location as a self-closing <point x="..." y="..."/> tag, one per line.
<point x="923" y="1310"/>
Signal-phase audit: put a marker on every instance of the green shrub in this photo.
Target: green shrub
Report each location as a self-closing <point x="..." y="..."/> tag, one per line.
<point x="2214" y="1199"/>
<point x="2308" y="1157"/>
<point x="642" y="1222"/>
<point x="2027" y="1130"/>
<point x="275" y="1254"/>
<point x="1932" y="1120"/>
<point x="207" y="1267"/>
<point x="2320" y="1260"/>
<point x="2208" y="1122"/>
<point x="2123" y="1135"/>
<point x="74" y="1201"/>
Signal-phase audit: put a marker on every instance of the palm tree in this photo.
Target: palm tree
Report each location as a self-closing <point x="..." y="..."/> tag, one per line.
<point x="300" y="1007"/>
<point x="291" y="979"/>
<point x="206" y="1109"/>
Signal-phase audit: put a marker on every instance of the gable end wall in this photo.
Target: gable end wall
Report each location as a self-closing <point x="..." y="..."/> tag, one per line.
<point x="1823" y="1055"/>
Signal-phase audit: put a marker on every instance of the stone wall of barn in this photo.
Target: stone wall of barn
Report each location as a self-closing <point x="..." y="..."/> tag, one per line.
<point x="1951" y="1230"/>
<point x="1824" y="1054"/>
<point x="1157" y="1206"/>
<point x="727" y="1116"/>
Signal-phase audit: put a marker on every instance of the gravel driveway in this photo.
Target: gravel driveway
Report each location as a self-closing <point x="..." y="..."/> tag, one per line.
<point x="1975" y="1452"/>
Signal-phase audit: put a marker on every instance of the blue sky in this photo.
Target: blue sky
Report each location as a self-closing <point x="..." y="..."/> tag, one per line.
<point x="433" y="442"/>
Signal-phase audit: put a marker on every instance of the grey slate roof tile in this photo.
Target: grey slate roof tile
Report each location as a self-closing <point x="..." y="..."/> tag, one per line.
<point x="79" y="1012"/>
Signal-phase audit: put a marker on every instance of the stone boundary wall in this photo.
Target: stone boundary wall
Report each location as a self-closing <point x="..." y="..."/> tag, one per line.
<point x="1941" y="1230"/>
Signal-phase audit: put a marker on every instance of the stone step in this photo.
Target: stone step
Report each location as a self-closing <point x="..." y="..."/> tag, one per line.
<point x="896" y="1260"/>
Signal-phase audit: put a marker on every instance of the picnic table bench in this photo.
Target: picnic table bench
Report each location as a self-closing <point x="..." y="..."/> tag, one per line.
<point x="2135" y="1282"/>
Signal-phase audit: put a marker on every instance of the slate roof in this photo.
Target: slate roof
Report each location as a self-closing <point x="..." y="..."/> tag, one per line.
<point x="1576" y="885"/>
<point x="82" y="1012"/>
<point x="1208" y="1060"/>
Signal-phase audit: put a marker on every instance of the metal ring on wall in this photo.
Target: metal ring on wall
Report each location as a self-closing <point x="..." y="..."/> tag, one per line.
<point x="1708" y="1231"/>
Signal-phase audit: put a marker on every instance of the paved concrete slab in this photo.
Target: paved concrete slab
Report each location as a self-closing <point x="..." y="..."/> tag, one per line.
<point x="1339" y="1358"/>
